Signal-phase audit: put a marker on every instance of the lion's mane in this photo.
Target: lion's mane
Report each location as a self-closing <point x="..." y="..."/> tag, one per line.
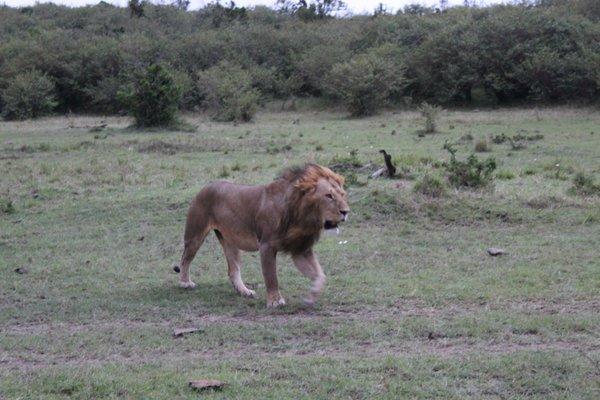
<point x="301" y="224"/>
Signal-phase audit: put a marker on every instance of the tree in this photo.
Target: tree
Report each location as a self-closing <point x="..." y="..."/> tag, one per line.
<point x="381" y="9"/>
<point x="365" y="82"/>
<point x="417" y="9"/>
<point x="181" y="4"/>
<point x="136" y="8"/>
<point x="310" y="10"/>
<point x="28" y="95"/>
<point x="154" y="98"/>
<point x="228" y="92"/>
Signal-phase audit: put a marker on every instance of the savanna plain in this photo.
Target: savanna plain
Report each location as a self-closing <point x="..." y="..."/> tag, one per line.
<point x="91" y="224"/>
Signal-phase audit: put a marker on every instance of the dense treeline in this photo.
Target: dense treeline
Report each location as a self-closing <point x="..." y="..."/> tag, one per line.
<point x="83" y="59"/>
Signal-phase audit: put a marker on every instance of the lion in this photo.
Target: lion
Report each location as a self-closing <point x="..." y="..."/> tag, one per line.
<point x="287" y="215"/>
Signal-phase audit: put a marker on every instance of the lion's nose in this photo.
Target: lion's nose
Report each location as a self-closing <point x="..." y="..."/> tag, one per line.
<point x="344" y="214"/>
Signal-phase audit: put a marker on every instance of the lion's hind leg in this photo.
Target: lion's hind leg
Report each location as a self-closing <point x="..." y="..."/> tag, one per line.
<point x="234" y="265"/>
<point x="191" y="246"/>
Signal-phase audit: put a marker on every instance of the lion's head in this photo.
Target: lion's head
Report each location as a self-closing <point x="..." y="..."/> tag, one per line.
<point x="317" y="201"/>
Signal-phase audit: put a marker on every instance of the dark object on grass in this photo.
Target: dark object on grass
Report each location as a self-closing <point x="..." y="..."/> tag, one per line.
<point x="176" y="268"/>
<point x="494" y="251"/>
<point x="391" y="169"/>
<point x="21" y="270"/>
<point x="179" y="332"/>
<point x="584" y="184"/>
<point x="98" y="128"/>
<point x="204" y="384"/>
<point x="435" y="335"/>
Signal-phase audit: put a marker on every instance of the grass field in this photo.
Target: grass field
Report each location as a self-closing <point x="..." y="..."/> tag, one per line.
<point x="414" y="306"/>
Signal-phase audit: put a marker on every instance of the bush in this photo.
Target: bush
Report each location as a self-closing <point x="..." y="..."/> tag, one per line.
<point x="345" y="163"/>
<point x="28" y="95"/>
<point x="431" y="114"/>
<point x="6" y="206"/>
<point x="431" y="186"/>
<point x="482" y="146"/>
<point x="154" y="98"/>
<point x="500" y="54"/>
<point x="584" y="185"/>
<point x="312" y="68"/>
<point x="105" y="95"/>
<point x="365" y="82"/>
<point x="505" y="175"/>
<point x="472" y="173"/>
<point x="499" y="139"/>
<point x="228" y="92"/>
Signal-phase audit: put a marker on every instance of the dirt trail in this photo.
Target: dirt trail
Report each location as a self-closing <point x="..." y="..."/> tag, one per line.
<point x="444" y="348"/>
<point x="435" y="344"/>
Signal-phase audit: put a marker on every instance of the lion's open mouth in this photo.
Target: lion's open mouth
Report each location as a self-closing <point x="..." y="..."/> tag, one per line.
<point x="330" y="225"/>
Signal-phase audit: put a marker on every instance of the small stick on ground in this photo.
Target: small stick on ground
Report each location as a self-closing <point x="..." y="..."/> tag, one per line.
<point x="177" y="332"/>
<point x="495" y="251"/>
<point x="206" y="384"/>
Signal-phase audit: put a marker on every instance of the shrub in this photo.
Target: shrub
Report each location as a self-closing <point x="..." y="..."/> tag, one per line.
<point x="105" y="95"/>
<point x="268" y="81"/>
<point x="472" y="172"/>
<point x="584" y="184"/>
<point x="154" y="98"/>
<point x="315" y="63"/>
<point x="516" y="144"/>
<point x="190" y="98"/>
<point x="505" y="175"/>
<point x="228" y="92"/>
<point x="28" y="95"/>
<point x="508" y="54"/>
<point x="6" y="206"/>
<point x="224" y="173"/>
<point x="431" y="114"/>
<point x="482" y="146"/>
<point x="499" y="139"/>
<point x="346" y="162"/>
<point x="431" y="186"/>
<point x="364" y="83"/>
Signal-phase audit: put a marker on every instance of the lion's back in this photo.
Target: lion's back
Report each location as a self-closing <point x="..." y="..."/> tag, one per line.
<point x="223" y="200"/>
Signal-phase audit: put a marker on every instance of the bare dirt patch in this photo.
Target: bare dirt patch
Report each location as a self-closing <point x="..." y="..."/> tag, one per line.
<point x="444" y="348"/>
<point x="402" y="308"/>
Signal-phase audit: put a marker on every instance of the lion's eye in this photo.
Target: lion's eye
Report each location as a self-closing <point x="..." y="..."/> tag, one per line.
<point x="329" y="196"/>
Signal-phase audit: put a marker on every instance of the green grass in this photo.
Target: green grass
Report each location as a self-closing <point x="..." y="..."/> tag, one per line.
<point x="414" y="307"/>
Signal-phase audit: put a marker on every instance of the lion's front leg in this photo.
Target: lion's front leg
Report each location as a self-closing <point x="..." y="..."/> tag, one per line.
<point x="268" y="256"/>
<point x="309" y="266"/>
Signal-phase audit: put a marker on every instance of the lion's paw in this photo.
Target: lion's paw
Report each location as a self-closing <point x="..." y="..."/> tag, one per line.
<point x="310" y="301"/>
<point x="248" y="293"/>
<point x="187" y="285"/>
<point x="275" y="303"/>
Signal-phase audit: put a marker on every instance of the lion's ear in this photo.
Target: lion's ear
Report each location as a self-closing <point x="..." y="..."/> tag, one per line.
<point x="305" y="187"/>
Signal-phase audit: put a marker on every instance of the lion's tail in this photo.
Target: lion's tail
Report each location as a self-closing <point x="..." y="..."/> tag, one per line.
<point x="176" y="268"/>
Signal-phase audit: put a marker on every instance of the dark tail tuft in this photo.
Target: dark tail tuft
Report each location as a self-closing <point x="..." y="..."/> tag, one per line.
<point x="176" y="268"/>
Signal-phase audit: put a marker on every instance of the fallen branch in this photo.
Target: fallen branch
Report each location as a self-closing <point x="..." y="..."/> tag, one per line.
<point x="378" y="173"/>
<point x="204" y="384"/>
<point x="389" y="169"/>
<point x="180" y="332"/>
